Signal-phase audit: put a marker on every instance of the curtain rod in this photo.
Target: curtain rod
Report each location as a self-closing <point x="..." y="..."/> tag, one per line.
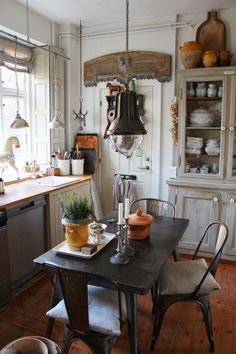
<point x="35" y="45"/>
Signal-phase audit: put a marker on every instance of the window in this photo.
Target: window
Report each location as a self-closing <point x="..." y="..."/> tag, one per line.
<point x="8" y="102"/>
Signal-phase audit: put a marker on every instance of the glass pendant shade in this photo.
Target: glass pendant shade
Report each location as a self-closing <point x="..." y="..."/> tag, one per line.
<point x="19" y="122"/>
<point x="126" y="130"/>
<point x="126" y="144"/>
<point x="56" y="123"/>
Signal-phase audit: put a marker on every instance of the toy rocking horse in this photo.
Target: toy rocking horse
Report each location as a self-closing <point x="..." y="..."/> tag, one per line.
<point x="7" y="155"/>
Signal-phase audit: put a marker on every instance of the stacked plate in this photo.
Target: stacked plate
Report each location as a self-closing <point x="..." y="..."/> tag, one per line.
<point x="194" y="145"/>
<point x="212" y="147"/>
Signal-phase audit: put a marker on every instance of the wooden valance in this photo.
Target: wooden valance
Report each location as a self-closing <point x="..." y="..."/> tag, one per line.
<point x="141" y="65"/>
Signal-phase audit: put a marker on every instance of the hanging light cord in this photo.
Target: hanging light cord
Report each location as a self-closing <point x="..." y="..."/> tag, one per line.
<point x="27" y="20"/>
<point x="17" y="86"/>
<point x="127" y="41"/>
<point x="80" y="59"/>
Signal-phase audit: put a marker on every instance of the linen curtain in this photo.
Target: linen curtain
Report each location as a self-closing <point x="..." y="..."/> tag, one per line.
<point x="23" y="58"/>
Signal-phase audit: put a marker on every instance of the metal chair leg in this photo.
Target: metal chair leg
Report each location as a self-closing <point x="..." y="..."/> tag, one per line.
<point x="206" y="311"/>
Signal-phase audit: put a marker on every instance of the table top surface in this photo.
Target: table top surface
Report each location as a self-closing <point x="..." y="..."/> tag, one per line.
<point x="144" y="267"/>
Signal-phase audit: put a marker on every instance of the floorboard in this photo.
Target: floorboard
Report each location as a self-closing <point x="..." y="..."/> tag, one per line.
<point x="183" y="330"/>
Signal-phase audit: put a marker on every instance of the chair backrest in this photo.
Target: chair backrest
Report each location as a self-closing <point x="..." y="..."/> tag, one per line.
<point x="74" y="286"/>
<point x="153" y="206"/>
<point x="219" y="229"/>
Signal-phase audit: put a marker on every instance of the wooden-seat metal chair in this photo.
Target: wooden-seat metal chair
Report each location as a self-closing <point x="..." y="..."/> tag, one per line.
<point x="93" y="314"/>
<point x="191" y="280"/>
<point x="156" y="207"/>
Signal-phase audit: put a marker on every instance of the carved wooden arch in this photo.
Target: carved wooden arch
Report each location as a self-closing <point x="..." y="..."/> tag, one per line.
<point x="141" y="65"/>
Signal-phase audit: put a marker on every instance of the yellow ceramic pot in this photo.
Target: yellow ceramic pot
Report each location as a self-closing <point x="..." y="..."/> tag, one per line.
<point x="76" y="232"/>
<point x="191" y="54"/>
<point x="210" y="58"/>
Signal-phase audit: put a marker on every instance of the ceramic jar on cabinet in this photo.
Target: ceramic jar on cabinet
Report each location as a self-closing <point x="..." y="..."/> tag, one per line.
<point x="212" y="90"/>
<point x="201" y="89"/>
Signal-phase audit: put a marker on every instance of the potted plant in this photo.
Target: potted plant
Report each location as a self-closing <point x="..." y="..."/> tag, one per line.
<point x="77" y="214"/>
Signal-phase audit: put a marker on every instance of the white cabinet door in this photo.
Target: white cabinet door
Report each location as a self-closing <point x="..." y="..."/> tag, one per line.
<point x="147" y="183"/>
<point x="54" y="212"/>
<point x="230" y="220"/>
<point x="201" y="208"/>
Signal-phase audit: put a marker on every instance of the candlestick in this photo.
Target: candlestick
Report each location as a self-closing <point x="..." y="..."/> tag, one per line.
<point x="128" y="250"/>
<point x="120" y="214"/>
<point x="126" y="208"/>
<point x="119" y="257"/>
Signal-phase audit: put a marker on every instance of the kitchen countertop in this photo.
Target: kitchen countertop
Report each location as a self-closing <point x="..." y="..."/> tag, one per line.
<point x="22" y="191"/>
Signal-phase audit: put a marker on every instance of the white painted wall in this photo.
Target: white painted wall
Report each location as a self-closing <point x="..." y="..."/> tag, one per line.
<point x="13" y="17"/>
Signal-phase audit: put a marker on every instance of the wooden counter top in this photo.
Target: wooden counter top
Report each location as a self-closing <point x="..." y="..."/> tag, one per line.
<point x="22" y="191"/>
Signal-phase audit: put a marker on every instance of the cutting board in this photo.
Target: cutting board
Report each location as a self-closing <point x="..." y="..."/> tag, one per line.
<point x="211" y="34"/>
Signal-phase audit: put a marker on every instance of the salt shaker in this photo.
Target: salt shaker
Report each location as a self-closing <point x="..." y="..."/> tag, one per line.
<point x="2" y="187"/>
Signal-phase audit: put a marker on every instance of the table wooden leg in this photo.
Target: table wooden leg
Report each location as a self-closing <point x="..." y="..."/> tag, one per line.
<point x="132" y="322"/>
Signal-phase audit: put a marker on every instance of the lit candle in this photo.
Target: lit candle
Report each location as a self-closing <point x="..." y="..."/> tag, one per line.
<point x="126" y="208"/>
<point x="120" y="214"/>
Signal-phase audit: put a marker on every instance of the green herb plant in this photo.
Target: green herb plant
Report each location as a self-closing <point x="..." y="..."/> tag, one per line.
<point x="76" y="207"/>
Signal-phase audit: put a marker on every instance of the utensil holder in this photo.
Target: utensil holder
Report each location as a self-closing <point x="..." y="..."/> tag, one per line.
<point x="64" y="166"/>
<point x="77" y="167"/>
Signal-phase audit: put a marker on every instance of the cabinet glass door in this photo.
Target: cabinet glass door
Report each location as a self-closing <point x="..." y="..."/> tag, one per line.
<point x="232" y="133"/>
<point x="203" y="127"/>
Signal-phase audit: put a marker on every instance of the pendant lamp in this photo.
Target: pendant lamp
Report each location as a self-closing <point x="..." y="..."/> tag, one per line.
<point x="18" y="122"/>
<point x="55" y="123"/>
<point x="126" y="130"/>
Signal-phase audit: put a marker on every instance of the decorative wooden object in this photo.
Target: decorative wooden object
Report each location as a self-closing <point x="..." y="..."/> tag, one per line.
<point x="142" y="65"/>
<point x="88" y="145"/>
<point x="175" y="120"/>
<point x="211" y="34"/>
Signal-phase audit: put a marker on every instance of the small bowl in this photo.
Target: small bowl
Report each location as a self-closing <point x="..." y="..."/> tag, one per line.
<point x="97" y="231"/>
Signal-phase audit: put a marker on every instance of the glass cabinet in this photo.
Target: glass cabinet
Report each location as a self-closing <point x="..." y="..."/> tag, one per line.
<point x="207" y="127"/>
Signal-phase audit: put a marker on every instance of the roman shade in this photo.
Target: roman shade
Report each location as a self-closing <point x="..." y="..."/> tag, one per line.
<point x="7" y="56"/>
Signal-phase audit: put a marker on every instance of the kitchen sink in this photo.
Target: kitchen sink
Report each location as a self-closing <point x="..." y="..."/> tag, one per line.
<point x="52" y="181"/>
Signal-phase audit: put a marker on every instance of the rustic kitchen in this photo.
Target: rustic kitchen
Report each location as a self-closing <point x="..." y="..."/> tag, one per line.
<point x="118" y="108"/>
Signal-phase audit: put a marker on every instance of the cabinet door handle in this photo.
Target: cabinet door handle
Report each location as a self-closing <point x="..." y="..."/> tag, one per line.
<point x="231" y="201"/>
<point x="144" y="168"/>
<point x="215" y="200"/>
<point x="231" y="129"/>
<point x="222" y="128"/>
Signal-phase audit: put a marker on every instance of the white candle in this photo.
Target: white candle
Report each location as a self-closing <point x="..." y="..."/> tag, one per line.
<point x="120" y="214"/>
<point x="126" y="208"/>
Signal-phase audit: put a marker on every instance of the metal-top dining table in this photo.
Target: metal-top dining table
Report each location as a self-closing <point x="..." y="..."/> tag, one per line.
<point x="136" y="277"/>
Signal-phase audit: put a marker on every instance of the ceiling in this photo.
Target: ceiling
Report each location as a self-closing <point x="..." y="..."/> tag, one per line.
<point x="93" y="12"/>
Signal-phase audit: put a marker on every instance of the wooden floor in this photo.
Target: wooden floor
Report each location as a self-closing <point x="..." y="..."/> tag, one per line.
<point x="183" y="330"/>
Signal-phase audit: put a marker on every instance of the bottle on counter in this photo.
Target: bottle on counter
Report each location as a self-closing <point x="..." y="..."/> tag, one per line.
<point x="2" y="187"/>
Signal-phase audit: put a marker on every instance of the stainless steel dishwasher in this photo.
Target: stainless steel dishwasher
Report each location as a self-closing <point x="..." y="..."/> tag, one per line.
<point x="5" y="280"/>
<point x="27" y="238"/>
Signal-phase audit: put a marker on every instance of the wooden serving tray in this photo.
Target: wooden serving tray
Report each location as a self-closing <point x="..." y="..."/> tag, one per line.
<point x="211" y="34"/>
<point x="64" y="249"/>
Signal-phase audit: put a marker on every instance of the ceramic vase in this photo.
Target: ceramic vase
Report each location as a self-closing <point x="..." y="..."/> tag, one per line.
<point x="212" y="90"/>
<point x="76" y="232"/>
<point x="201" y="89"/>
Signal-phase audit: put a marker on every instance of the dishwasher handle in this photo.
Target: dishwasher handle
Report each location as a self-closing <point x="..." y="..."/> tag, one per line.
<point x="25" y="207"/>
